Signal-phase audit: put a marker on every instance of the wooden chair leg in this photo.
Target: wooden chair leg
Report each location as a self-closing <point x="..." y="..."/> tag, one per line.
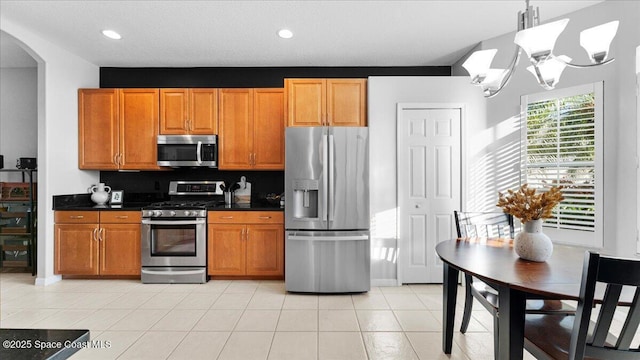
<point x="496" y="336"/>
<point x="468" y="304"/>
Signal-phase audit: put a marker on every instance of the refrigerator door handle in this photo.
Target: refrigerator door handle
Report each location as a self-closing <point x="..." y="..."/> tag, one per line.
<point x="328" y="238"/>
<point x="332" y="182"/>
<point x="325" y="178"/>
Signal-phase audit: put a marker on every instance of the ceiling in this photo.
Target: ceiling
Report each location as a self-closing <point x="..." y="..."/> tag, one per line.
<point x="243" y="33"/>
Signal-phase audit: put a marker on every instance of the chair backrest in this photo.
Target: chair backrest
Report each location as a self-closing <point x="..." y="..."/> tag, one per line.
<point x="484" y="224"/>
<point x="614" y="273"/>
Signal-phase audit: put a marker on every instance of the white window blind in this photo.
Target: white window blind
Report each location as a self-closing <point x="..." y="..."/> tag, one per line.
<point x="562" y="147"/>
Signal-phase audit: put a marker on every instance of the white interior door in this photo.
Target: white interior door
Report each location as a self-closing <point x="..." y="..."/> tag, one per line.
<point x="429" y="181"/>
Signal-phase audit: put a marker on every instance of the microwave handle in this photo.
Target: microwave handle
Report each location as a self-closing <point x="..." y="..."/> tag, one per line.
<point x="199" y="153"/>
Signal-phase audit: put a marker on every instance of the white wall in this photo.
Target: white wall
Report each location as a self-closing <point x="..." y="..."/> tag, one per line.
<point x="60" y="74"/>
<point x="18" y="117"/>
<point x="620" y="115"/>
<point x="383" y="95"/>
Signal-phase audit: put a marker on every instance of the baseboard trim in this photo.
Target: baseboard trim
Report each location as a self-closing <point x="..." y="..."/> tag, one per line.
<point x="48" y="280"/>
<point x="384" y="282"/>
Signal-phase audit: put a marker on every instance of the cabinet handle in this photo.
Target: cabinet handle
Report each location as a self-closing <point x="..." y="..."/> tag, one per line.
<point x="94" y="234"/>
<point x="100" y="234"/>
<point x="247" y="235"/>
<point x="122" y="216"/>
<point x="76" y="217"/>
<point x="120" y="162"/>
<point x="115" y="159"/>
<point x="264" y="217"/>
<point x="225" y="217"/>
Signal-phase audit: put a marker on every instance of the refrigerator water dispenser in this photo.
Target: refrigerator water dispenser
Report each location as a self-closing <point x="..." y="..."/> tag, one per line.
<point x="305" y="199"/>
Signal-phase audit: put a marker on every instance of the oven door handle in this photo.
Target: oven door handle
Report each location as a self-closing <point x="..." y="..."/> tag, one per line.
<point x="173" y="222"/>
<point x="178" y="272"/>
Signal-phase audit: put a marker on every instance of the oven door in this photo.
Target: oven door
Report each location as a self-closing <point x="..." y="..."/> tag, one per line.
<point x="180" y="242"/>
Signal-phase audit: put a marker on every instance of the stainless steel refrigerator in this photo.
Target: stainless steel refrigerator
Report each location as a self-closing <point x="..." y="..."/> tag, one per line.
<point x="327" y="246"/>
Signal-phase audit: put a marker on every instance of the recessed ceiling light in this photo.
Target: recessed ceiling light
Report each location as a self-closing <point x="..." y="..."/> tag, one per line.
<point x="285" y="33"/>
<point x="111" y="34"/>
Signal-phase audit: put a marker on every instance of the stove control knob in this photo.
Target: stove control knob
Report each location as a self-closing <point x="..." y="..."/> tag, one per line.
<point x="188" y="213"/>
<point x="172" y="213"/>
<point x="157" y="212"/>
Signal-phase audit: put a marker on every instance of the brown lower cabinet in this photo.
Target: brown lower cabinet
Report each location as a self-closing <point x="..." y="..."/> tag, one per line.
<point x="246" y="243"/>
<point x="97" y="242"/>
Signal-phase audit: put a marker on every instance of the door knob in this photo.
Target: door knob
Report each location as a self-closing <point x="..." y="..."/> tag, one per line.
<point x="418" y="206"/>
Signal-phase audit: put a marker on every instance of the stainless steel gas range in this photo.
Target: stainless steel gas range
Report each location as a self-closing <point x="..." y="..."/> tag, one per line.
<point x="174" y="233"/>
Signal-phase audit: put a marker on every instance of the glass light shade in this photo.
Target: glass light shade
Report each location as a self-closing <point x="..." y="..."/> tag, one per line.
<point x="492" y="83"/>
<point x="596" y="40"/>
<point x="494" y="79"/>
<point x="550" y="71"/>
<point x="477" y="65"/>
<point x="538" y="42"/>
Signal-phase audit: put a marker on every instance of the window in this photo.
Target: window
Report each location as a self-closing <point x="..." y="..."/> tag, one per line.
<point x="562" y="145"/>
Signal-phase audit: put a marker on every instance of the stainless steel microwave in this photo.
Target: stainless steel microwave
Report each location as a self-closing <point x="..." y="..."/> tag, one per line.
<point x="188" y="150"/>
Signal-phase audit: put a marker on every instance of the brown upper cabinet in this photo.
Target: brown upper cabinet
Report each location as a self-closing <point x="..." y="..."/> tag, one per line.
<point x="188" y="111"/>
<point x="118" y="129"/>
<point x="251" y="129"/>
<point x="326" y="102"/>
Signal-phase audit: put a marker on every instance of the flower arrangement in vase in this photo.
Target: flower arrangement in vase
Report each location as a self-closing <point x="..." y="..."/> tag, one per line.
<point x="531" y="208"/>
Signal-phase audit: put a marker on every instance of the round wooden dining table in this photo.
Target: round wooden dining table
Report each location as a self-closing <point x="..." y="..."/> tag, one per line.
<point x="495" y="262"/>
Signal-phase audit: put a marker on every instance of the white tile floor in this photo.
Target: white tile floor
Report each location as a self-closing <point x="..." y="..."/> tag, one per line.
<point x="242" y="320"/>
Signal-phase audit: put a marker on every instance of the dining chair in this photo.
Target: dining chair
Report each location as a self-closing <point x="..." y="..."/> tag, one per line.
<point x="552" y="336"/>
<point x="489" y="225"/>
<point x="493" y="225"/>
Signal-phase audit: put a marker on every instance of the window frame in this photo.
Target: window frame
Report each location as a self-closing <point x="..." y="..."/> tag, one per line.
<point x="591" y="239"/>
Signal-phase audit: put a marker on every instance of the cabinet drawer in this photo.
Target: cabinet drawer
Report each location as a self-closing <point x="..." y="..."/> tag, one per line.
<point x="76" y="217"/>
<point x="246" y="217"/>
<point x="120" y="217"/>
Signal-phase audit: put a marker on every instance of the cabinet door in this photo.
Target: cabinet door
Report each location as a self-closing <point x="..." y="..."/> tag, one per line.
<point x="139" y="129"/>
<point x="236" y="130"/>
<point x="98" y="129"/>
<point x="119" y="249"/>
<point x="174" y="108"/>
<point x="265" y="249"/>
<point x="268" y="129"/>
<point x="227" y="248"/>
<point x="346" y="102"/>
<point x="76" y="249"/>
<point x="306" y="102"/>
<point x="203" y="118"/>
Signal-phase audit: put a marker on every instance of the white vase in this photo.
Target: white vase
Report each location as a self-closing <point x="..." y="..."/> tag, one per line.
<point x="100" y="193"/>
<point x="532" y="244"/>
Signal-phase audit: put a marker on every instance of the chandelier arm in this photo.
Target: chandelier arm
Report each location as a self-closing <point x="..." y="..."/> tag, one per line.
<point x="514" y="61"/>
<point x="583" y="66"/>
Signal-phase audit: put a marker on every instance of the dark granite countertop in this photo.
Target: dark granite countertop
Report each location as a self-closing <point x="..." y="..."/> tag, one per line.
<point x="82" y="202"/>
<point x="255" y="206"/>
<point x="18" y="344"/>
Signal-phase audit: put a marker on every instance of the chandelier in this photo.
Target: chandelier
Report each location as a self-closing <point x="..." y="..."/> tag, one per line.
<point x="538" y="42"/>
